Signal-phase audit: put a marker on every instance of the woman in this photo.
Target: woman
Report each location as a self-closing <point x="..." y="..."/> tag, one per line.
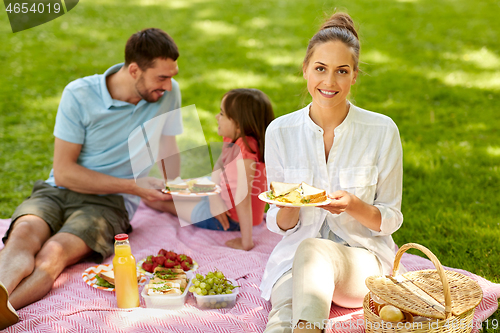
<point x="355" y="155"/>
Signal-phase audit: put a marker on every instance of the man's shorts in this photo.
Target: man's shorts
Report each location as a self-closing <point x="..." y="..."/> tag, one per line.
<point x="96" y="219"/>
<point x="203" y="218"/>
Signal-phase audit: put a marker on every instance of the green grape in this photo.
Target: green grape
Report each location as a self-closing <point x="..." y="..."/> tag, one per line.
<point x="198" y="291"/>
<point x="192" y="289"/>
<point x="229" y="292"/>
<point x="204" y="292"/>
<point x="196" y="283"/>
<point x="211" y="292"/>
<point x="210" y="281"/>
<point x="199" y="276"/>
<point x="203" y="285"/>
<point x="219" y="290"/>
<point x="219" y="274"/>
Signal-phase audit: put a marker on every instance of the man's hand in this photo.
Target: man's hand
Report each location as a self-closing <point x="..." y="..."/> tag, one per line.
<point x="149" y="188"/>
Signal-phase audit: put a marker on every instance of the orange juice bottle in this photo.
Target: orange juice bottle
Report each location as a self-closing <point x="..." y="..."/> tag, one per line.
<point x="125" y="271"/>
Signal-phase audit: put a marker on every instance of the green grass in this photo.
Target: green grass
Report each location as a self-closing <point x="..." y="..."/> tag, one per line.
<point x="433" y="66"/>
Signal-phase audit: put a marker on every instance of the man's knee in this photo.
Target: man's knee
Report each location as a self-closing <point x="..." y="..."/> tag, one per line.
<point x="31" y="230"/>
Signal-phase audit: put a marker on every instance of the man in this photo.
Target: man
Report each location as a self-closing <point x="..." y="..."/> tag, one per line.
<point x="91" y="194"/>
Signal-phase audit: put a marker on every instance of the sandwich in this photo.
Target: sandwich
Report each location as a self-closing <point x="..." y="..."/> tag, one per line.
<point x="279" y="189"/>
<point x="109" y="277"/>
<point x="167" y="281"/>
<point x="296" y="193"/>
<point x="201" y="185"/>
<point x="311" y="194"/>
<point x="176" y="185"/>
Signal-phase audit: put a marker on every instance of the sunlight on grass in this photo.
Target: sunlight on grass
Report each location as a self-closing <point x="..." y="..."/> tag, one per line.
<point x="229" y="79"/>
<point x="278" y="58"/>
<point x="419" y="158"/>
<point x="493" y="151"/>
<point x="376" y="57"/>
<point x="258" y="23"/>
<point x="480" y="80"/>
<point x="482" y="58"/>
<point x="215" y="28"/>
<point x="47" y="104"/>
<point x="476" y="127"/>
<point x="174" y="4"/>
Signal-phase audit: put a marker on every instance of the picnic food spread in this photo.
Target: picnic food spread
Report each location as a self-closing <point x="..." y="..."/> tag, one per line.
<point x="296" y="193"/>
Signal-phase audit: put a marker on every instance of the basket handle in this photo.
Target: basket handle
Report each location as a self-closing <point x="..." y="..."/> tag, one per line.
<point x="439" y="268"/>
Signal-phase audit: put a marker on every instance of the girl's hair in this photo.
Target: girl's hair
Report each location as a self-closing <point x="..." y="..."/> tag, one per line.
<point x="339" y="27"/>
<point x="251" y="110"/>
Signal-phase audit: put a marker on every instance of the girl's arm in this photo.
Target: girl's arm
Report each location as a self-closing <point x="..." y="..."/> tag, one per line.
<point x="243" y="202"/>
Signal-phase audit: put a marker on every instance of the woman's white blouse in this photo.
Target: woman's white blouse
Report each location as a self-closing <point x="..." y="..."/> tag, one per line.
<point x="365" y="159"/>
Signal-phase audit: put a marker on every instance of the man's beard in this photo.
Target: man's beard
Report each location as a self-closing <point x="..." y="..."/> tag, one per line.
<point x="141" y="89"/>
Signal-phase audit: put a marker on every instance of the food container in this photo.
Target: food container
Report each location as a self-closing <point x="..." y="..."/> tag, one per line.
<point x="442" y="301"/>
<point x="218" y="301"/>
<point x="166" y="302"/>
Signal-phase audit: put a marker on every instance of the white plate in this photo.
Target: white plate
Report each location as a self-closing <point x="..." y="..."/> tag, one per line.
<point x="143" y="271"/>
<point x="89" y="276"/>
<point x="189" y="194"/>
<point x="263" y="197"/>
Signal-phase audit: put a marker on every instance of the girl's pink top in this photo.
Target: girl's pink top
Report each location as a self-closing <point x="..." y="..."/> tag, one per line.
<point x="229" y="177"/>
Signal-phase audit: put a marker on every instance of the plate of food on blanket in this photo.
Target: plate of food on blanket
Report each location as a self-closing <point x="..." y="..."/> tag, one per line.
<point x="166" y="259"/>
<point x="295" y="195"/>
<point x="197" y="187"/>
<point x="102" y="277"/>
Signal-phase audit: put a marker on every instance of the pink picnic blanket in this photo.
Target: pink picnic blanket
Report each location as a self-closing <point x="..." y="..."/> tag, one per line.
<point x="74" y="306"/>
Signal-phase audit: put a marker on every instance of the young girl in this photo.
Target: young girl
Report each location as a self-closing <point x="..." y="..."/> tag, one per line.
<point x="240" y="171"/>
<point x="327" y="252"/>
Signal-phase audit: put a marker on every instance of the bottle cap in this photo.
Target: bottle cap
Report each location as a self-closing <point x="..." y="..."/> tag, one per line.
<point x="121" y="237"/>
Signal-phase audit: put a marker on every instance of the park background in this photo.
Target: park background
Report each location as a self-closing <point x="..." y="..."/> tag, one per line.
<point x="433" y="66"/>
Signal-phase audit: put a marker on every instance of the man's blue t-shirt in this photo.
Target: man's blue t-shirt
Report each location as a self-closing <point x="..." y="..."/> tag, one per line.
<point x="87" y="115"/>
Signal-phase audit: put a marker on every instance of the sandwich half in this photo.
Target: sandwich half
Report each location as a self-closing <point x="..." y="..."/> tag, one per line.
<point x="279" y="189"/>
<point x="202" y="185"/>
<point x="296" y="193"/>
<point x="176" y="185"/>
<point x="311" y="194"/>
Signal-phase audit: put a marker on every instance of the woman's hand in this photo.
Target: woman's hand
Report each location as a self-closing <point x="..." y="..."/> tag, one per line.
<point x="237" y="243"/>
<point x="340" y="202"/>
<point x="219" y="210"/>
<point x="366" y="214"/>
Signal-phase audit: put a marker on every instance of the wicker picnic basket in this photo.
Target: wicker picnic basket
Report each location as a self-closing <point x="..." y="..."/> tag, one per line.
<point x="447" y="298"/>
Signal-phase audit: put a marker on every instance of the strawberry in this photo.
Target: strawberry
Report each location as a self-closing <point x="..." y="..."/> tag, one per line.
<point x="159" y="259"/>
<point x="154" y="266"/>
<point x="171" y="255"/>
<point x="169" y="263"/>
<point x="163" y="252"/>
<point x="185" y="266"/>
<point x="148" y="266"/>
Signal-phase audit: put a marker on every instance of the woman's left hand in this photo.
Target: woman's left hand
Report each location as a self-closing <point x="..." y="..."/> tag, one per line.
<point x="340" y="202"/>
